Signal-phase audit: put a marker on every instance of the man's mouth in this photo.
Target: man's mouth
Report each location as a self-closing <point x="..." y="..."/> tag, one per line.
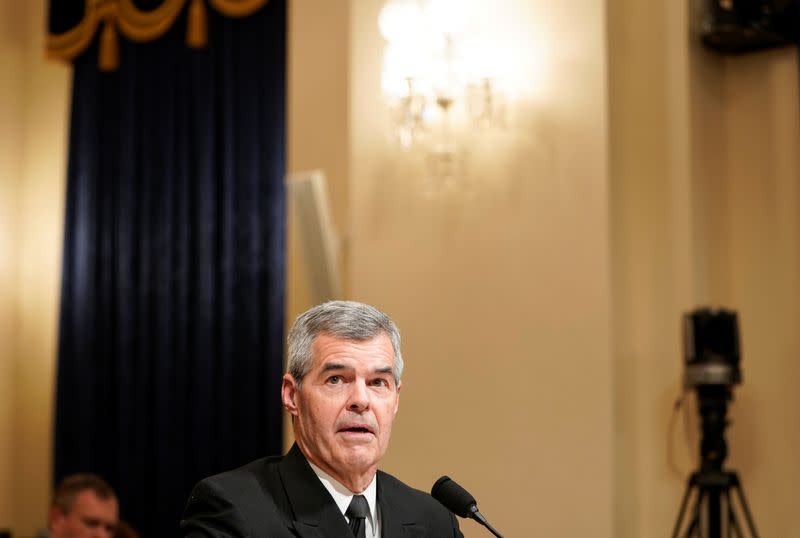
<point x="357" y="429"/>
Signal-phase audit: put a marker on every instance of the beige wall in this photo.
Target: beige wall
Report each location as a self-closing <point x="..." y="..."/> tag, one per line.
<point x="704" y="197"/>
<point x="317" y="117"/>
<point x="12" y="52"/>
<point x="33" y="133"/>
<point x="503" y="294"/>
<point x="651" y="251"/>
<point x="756" y="217"/>
<point x="639" y="175"/>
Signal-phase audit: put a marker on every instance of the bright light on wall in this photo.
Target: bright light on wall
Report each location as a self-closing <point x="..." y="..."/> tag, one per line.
<point x="432" y="72"/>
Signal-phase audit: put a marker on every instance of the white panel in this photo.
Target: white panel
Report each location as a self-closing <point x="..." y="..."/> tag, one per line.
<point x="310" y="209"/>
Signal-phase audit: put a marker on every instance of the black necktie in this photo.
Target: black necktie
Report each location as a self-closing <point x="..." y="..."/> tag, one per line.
<point x="356" y="512"/>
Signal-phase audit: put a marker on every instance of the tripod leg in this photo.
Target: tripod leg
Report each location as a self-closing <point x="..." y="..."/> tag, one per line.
<point x="733" y="524"/>
<point x="750" y="524"/>
<point x="694" y="526"/>
<point x="682" y="510"/>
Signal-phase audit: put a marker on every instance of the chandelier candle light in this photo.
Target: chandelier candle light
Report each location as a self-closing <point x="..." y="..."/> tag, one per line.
<point x="432" y="73"/>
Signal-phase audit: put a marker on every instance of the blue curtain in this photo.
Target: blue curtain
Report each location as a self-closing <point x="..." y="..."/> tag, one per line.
<point x="171" y="324"/>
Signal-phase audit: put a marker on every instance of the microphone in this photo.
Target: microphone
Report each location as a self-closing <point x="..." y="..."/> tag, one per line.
<point x="459" y="501"/>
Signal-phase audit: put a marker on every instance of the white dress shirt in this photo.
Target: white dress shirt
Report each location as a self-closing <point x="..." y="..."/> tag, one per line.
<point x="342" y="497"/>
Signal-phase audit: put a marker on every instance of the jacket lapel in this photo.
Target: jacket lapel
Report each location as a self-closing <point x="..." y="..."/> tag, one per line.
<point x="316" y="514"/>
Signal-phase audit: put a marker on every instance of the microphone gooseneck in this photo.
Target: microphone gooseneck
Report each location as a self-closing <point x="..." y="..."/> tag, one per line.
<point x="459" y="501"/>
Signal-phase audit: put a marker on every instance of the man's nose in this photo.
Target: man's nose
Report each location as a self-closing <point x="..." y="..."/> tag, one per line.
<point x="359" y="396"/>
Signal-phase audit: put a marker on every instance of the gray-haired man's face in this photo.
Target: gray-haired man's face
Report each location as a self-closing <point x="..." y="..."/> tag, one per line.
<point x="344" y="409"/>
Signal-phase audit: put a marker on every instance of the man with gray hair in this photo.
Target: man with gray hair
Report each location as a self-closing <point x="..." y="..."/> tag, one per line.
<point x="342" y="390"/>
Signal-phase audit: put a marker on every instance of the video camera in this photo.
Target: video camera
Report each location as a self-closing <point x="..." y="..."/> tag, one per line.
<point x="711" y="348"/>
<point x="739" y="26"/>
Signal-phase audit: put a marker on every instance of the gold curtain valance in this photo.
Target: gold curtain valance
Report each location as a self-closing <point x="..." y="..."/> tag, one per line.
<point x="139" y="25"/>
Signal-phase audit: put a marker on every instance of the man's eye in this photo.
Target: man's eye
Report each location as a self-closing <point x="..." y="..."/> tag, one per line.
<point x="334" y="379"/>
<point x="380" y="383"/>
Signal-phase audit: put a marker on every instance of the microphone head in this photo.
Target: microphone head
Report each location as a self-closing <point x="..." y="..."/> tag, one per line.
<point x="453" y="497"/>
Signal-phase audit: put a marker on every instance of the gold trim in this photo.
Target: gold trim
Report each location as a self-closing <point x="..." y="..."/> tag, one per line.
<point x="140" y="25"/>
<point x="133" y="23"/>
<point x="71" y="43"/>
<point x="237" y="8"/>
<point x="197" y="25"/>
<point x="108" y="58"/>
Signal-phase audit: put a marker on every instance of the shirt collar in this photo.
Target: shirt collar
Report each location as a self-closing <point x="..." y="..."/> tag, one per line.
<point x="342" y="496"/>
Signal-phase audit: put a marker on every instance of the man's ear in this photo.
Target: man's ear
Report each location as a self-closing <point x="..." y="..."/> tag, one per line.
<point x="289" y="390"/>
<point x="55" y="518"/>
<point x="397" y="402"/>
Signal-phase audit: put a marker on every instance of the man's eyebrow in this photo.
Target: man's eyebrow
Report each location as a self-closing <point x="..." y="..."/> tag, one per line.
<point x="333" y="366"/>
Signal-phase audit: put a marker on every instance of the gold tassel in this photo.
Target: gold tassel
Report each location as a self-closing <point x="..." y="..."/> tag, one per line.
<point x="197" y="31"/>
<point x="109" y="48"/>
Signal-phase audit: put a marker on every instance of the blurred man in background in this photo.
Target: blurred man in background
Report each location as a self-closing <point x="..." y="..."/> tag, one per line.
<point x="84" y="506"/>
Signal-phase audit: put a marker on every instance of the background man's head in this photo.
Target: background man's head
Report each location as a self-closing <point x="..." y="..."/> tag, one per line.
<point x="342" y="388"/>
<point x="84" y="506"/>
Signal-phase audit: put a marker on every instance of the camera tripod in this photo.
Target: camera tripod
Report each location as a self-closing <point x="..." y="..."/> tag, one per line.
<point x="713" y="485"/>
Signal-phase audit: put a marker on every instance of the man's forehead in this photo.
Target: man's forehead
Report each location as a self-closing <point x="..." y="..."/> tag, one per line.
<point x="89" y="501"/>
<point x="329" y="348"/>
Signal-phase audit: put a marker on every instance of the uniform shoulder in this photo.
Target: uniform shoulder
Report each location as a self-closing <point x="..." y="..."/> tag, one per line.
<point x="235" y="501"/>
<point x="401" y="489"/>
<point x="412" y="506"/>
<point x="244" y="480"/>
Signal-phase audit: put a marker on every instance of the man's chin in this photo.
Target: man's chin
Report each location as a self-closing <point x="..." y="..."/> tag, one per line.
<point x="360" y="458"/>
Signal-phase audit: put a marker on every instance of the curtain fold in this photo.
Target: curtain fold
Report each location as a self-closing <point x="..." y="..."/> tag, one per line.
<point x="170" y="352"/>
